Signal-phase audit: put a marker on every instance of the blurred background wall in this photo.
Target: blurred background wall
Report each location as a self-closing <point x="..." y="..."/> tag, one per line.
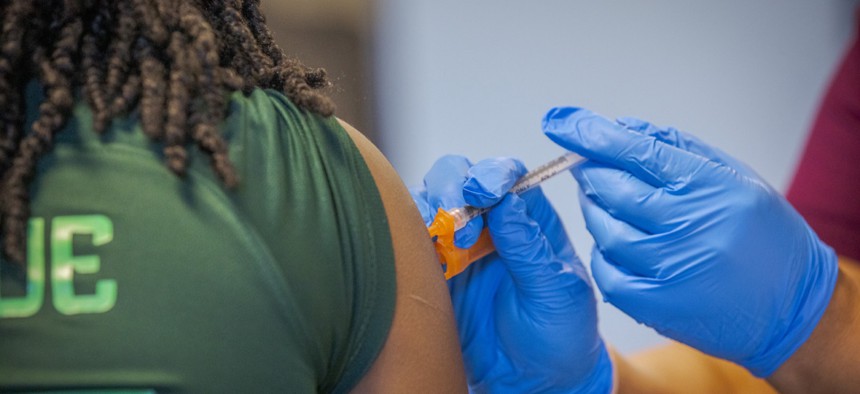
<point x="426" y="78"/>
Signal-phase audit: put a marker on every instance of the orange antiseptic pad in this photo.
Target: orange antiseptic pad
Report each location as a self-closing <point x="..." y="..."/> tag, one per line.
<point x="454" y="259"/>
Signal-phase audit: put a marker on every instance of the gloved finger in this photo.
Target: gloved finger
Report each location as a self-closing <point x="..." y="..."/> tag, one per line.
<point x="540" y="209"/>
<point x="627" y="198"/>
<point x="687" y="142"/>
<point x="444" y="182"/>
<point x="611" y="279"/>
<point x="619" y="241"/>
<point x="602" y="140"/>
<point x="444" y="185"/>
<point x="632" y="294"/>
<point x="489" y="180"/>
<point x="525" y="250"/>
<point x="419" y="196"/>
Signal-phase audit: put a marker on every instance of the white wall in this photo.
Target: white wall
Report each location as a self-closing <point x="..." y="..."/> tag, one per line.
<point x="475" y="78"/>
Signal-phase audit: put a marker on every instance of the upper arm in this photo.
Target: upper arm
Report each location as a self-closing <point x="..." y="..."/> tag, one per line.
<point x="422" y="351"/>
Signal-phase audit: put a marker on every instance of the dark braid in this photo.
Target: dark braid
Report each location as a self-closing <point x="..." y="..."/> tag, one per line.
<point x="11" y="107"/>
<point x="204" y="133"/>
<point x="299" y="78"/>
<point x="56" y="74"/>
<point x="118" y="55"/>
<point x="93" y="69"/>
<point x="172" y="63"/>
<point x="251" y="11"/>
<point x="153" y="91"/>
<point x="249" y="59"/>
<point x="177" y="106"/>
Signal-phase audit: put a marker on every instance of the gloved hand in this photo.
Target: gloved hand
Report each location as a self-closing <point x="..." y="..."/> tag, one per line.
<point x="694" y="244"/>
<point x="526" y="314"/>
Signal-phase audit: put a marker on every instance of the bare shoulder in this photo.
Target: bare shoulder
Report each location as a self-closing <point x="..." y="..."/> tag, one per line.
<point x="422" y="352"/>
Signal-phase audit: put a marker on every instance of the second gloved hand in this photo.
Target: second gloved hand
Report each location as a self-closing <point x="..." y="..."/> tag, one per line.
<point x="693" y="243"/>
<point x="526" y="314"/>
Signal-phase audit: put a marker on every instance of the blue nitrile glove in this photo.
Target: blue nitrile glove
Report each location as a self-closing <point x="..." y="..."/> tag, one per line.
<point x="693" y="243"/>
<point x="526" y="314"/>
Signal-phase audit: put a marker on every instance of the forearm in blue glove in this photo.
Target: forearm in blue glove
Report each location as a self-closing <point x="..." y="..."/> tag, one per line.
<point x="526" y="314"/>
<point x="693" y="243"/>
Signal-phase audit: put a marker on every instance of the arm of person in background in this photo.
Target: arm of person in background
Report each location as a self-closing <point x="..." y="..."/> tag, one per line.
<point x="421" y="352"/>
<point x="693" y="243"/>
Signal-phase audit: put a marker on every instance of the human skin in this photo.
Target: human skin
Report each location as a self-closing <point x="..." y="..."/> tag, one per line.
<point x="422" y="352"/>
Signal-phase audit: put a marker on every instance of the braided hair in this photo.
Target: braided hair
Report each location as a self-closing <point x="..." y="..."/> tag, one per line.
<point x="172" y="63"/>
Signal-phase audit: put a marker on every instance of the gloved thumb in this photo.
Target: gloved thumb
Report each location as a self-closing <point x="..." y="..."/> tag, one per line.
<point x="490" y="179"/>
<point x="534" y="261"/>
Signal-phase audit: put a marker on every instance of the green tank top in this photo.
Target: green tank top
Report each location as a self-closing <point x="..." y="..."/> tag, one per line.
<point x="140" y="280"/>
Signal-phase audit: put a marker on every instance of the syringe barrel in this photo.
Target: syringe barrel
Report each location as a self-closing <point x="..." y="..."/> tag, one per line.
<point x="538" y="175"/>
<point x="464" y="214"/>
<point x="447" y="222"/>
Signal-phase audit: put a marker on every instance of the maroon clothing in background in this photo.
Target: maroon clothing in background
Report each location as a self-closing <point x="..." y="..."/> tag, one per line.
<point x="826" y="186"/>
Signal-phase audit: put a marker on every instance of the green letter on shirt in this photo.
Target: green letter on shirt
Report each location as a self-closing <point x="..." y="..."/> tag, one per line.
<point x="65" y="264"/>
<point x="28" y="305"/>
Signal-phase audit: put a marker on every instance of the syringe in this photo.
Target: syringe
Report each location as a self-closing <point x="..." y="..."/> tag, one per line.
<point x="446" y="223"/>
